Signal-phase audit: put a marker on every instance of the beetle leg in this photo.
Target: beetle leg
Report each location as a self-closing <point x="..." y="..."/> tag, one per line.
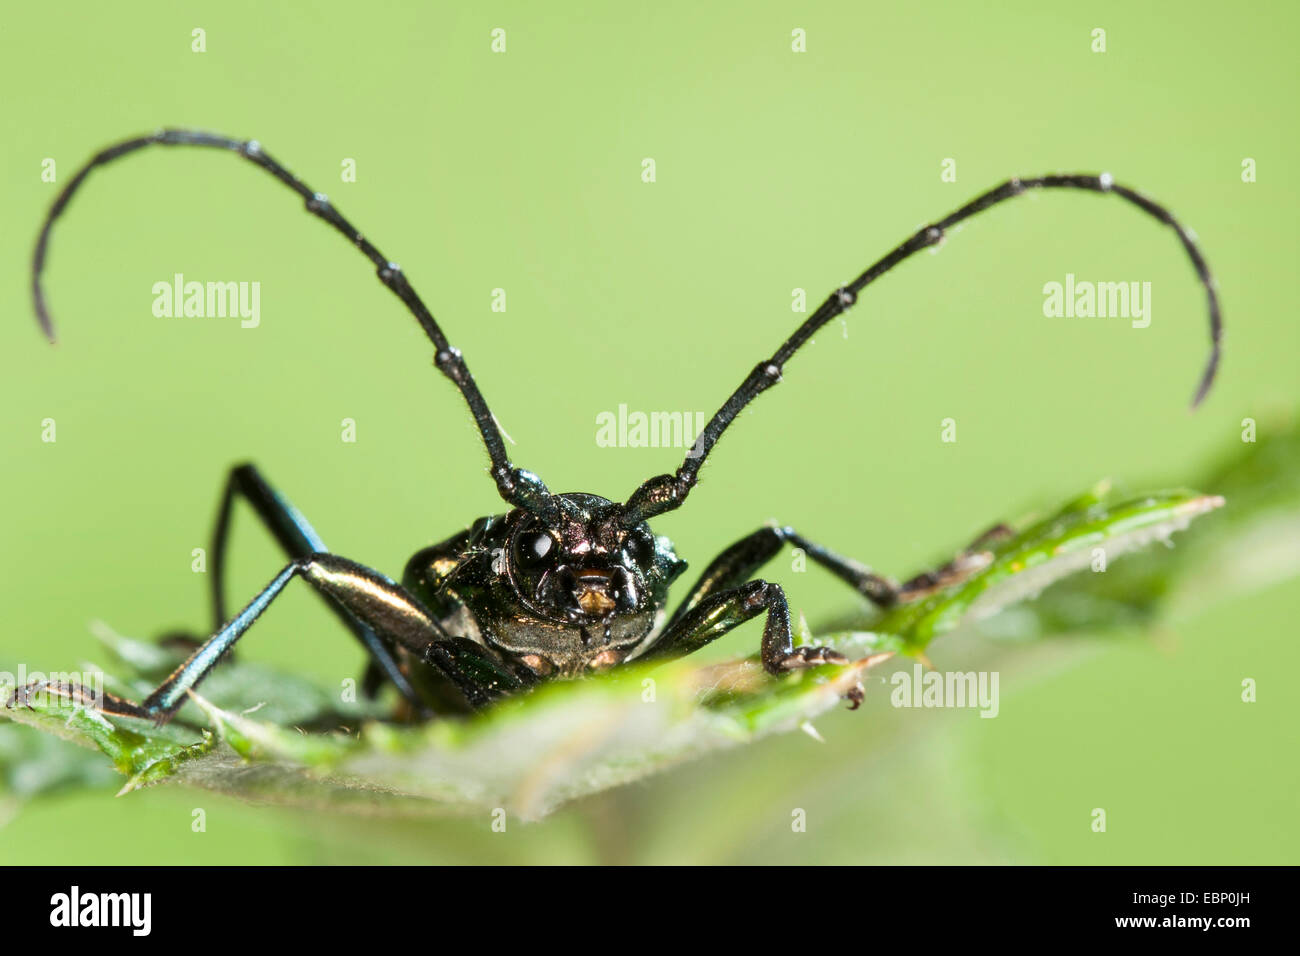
<point x="723" y="611"/>
<point x="743" y="559"/>
<point x="374" y="600"/>
<point x="721" y="600"/>
<point x="102" y="701"/>
<point x="974" y="557"/>
<point x="298" y="539"/>
<point x="474" y="669"/>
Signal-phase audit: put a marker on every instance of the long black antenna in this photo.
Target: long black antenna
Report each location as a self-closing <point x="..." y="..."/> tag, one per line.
<point x="666" y="492"/>
<point x="520" y="488"/>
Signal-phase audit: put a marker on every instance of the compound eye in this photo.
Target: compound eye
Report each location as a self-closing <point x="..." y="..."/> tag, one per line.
<point x="638" y="548"/>
<point x="534" y="547"/>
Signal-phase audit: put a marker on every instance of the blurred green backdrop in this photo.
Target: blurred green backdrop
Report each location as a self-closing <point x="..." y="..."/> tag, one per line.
<point x="775" y="170"/>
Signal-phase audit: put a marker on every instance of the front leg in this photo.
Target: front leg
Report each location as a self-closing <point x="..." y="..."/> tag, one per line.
<point x="374" y="600"/>
<point x="722" y="611"/>
<point x="477" y="672"/>
<point x="741" y="561"/>
<point x="299" y="540"/>
<point x="974" y="557"/>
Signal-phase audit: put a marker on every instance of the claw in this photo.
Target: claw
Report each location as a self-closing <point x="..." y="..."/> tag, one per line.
<point x="809" y="656"/>
<point x="855" y="695"/>
<point x="75" y="693"/>
<point x="92" y="699"/>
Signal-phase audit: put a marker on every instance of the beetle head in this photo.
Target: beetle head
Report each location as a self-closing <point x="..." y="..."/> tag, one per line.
<point x="585" y="568"/>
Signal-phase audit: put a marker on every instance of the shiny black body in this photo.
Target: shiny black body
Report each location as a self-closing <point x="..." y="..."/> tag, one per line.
<point x="561" y="584"/>
<point x="588" y="603"/>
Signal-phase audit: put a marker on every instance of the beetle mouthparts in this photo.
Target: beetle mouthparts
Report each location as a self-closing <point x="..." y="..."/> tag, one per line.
<point x="595" y="601"/>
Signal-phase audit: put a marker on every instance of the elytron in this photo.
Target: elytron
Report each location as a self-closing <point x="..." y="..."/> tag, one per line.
<point x="560" y="584"/>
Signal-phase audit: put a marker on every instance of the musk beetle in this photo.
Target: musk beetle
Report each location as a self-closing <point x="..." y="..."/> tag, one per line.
<point x="561" y="584"/>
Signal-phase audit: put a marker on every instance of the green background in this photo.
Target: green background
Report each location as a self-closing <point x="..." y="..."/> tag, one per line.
<point x="775" y="170"/>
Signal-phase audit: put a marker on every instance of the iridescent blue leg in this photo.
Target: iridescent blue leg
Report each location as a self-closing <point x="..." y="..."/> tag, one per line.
<point x="375" y="600"/>
<point x="371" y="599"/>
<point x="298" y="539"/>
<point x="378" y="602"/>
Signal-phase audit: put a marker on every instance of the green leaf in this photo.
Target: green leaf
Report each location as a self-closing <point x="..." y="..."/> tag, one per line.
<point x="275" y="737"/>
<point x="1251" y="543"/>
<point x="1089" y="532"/>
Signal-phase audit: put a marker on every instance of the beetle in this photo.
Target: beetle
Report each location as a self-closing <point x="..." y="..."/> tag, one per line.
<point x="560" y="584"/>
